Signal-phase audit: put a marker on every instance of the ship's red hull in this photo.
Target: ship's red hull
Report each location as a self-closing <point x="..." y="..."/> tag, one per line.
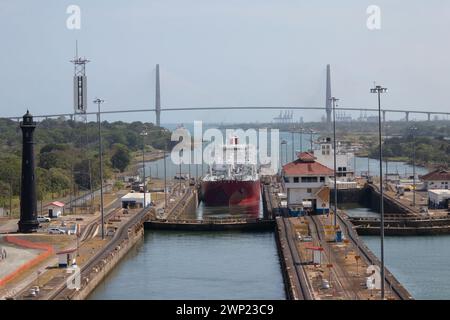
<point x="231" y="193"/>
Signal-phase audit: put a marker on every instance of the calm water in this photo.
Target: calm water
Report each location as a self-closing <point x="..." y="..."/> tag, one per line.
<point x="189" y="265"/>
<point x="421" y="264"/>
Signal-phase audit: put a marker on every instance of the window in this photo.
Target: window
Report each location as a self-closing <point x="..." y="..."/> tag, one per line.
<point x="309" y="179"/>
<point x="322" y="179"/>
<point x="296" y="180"/>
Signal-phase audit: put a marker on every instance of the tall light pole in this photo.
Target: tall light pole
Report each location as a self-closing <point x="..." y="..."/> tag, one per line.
<point x="301" y="139"/>
<point x="311" y="138"/>
<point x="100" y="151"/>
<point x="334" y="100"/>
<point x="10" y="198"/>
<point x="196" y="171"/>
<point x="179" y="177"/>
<point x="379" y="90"/>
<point x="144" y="133"/>
<point x="386" y="158"/>
<point x="293" y="145"/>
<point x="202" y="173"/>
<point x="413" y="132"/>
<point x="165" y="178"/>
<point x="283" y="142"/>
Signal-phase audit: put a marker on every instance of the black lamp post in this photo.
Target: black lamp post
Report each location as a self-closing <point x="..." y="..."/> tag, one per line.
<point x="28" y="201"/>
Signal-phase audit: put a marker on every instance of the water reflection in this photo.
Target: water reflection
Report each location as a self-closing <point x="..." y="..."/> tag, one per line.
<point x="247" y="212"/>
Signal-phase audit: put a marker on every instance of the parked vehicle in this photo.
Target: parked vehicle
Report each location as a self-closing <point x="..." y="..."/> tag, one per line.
<point x="56" y="231"/>
<point x="325" y="284"/>
<point x="42" y="219"/>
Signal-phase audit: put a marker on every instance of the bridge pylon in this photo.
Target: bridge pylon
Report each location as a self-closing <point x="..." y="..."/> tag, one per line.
<point x="158" y="98"/>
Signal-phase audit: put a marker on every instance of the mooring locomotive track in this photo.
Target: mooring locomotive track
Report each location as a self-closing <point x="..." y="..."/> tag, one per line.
<point x="400" y="292"/>
<point x="122" y="234"/>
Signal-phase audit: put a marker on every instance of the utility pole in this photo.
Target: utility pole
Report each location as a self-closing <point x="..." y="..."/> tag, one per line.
<point x="413" y="131"/>
<point x="334" y="100"/>
<point x="311" y="138"/>
<point x="89" y="164"/>
<point x="203" y="141"/>
<point x="284" y="142"/>
<point x="301" y="139"/>
<point x="286" y="149"/>
<point x="180" y="174"/>
<point x="100" y="151"/>
<point x="165" y="178"/>
<point x="189" y="170"/>
<point x="144" y="133"/>
<point x="386" y="158"/>
<point x="379" y="90"/>
<point x="293" y="145"/>
<point x="72" y="188"/>
<point x="78" y="240"/>
<point x="10" y="198"/>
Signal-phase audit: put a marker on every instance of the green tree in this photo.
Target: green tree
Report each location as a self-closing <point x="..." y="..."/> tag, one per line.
<point x="121" y="157"/>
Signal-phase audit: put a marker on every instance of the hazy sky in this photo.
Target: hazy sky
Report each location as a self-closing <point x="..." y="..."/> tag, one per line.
<point x="223" y="53"/>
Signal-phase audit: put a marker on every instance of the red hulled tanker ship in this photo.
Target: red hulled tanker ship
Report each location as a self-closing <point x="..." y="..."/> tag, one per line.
<point x="233" y="182"/>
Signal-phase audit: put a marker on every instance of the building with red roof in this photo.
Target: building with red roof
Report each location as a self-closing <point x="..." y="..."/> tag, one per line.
<point x="438" y="179"/>
<point x="55" y="209"/>
<point x="307" y="185"/>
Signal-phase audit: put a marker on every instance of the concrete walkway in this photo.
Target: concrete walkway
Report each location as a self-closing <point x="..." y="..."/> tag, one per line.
<point x="15" y="258"/>
<point x="8" y="226"/>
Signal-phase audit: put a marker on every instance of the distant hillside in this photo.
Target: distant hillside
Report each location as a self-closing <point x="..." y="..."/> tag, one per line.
<point x="67" y="153"/>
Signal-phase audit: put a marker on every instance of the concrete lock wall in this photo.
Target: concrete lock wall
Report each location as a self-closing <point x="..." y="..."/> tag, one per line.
<point x="372" y="196"/>
<point x="280" y="237"/>
<point x="94" y="281"/>
<point x="368" y="197"/>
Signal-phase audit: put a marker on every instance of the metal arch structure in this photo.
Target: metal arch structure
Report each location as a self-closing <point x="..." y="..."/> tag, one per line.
<point x="180" y="109"/>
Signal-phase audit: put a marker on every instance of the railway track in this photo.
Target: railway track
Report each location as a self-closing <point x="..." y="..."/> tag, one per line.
<point x="340" y="274"/>
<point x="65" y="293"/>
<point x="86" y="234"/>
<point x="300" y="273"/>
<point x="302" y="279"/>
<point x="372" y="259"/>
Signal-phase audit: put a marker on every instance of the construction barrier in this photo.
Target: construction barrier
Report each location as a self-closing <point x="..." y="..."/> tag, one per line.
<point x="47" y="251"/>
